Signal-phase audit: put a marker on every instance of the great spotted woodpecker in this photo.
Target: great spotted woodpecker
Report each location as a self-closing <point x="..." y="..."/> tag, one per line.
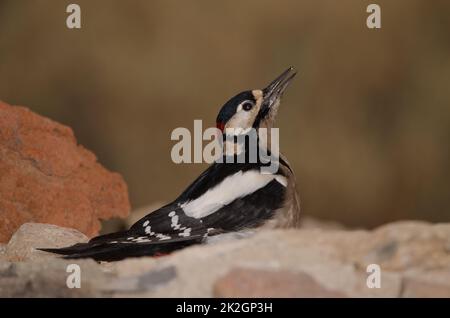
<point x="226" y="199"/>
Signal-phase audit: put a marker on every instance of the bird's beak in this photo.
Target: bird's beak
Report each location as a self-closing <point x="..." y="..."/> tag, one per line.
<point x="273" y="92"/>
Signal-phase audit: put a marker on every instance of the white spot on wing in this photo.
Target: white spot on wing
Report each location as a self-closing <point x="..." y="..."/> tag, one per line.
<point x="146" y="223"/>
<point x="175" y="223"/>
<point x="162" y="237"/>
<point x="148" y="230"/>
<point x="142" y="240"/>
<point x="186" y="232"/>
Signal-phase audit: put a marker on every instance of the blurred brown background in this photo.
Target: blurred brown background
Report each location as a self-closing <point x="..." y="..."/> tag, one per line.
<point x="366" y="125"/>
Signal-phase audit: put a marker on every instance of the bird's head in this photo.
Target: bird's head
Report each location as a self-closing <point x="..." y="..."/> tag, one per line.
<point x="254" y="108"/>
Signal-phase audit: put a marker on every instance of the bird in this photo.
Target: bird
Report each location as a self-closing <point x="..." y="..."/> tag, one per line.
<point x="229" y="199"/>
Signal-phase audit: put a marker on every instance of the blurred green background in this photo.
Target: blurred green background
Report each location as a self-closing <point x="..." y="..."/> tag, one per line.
<point x="366" y="124"/>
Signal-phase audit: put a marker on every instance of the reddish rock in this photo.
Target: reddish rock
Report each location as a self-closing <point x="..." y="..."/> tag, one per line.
<point x="257" y="283"/>
<point x="46" y="177"/>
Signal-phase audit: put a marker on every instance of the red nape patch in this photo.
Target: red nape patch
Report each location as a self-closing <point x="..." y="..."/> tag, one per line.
<point x="220" y="126"/>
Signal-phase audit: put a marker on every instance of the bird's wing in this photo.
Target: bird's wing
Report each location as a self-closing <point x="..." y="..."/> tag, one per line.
<point x="225" y="197"/>
<point x="230" y="197"/>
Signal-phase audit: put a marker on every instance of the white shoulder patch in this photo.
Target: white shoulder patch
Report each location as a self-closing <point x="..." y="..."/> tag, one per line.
<point x="231" y="188"/>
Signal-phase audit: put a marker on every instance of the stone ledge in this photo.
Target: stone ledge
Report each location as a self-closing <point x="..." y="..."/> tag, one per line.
<point x="413" y="256"/>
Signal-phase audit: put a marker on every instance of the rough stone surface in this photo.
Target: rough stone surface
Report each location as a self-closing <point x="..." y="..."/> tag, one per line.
<point x="414" y="258"/>
<point x="46" y="177"/>
<point x="336" y="260"/>
<point x="49" y="279"/>
<point x="435" y="284"/>
<point x="241" y="282"/>
<point x="22" y="245"/>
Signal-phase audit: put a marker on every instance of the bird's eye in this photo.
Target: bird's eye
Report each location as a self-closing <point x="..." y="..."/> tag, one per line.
<point x="247" y="106"/>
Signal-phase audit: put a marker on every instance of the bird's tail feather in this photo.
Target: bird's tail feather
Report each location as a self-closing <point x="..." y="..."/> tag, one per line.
<point x="117" y="246"/>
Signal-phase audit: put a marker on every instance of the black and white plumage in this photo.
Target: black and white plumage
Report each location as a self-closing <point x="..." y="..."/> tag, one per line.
<point x="225" y="198"/>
